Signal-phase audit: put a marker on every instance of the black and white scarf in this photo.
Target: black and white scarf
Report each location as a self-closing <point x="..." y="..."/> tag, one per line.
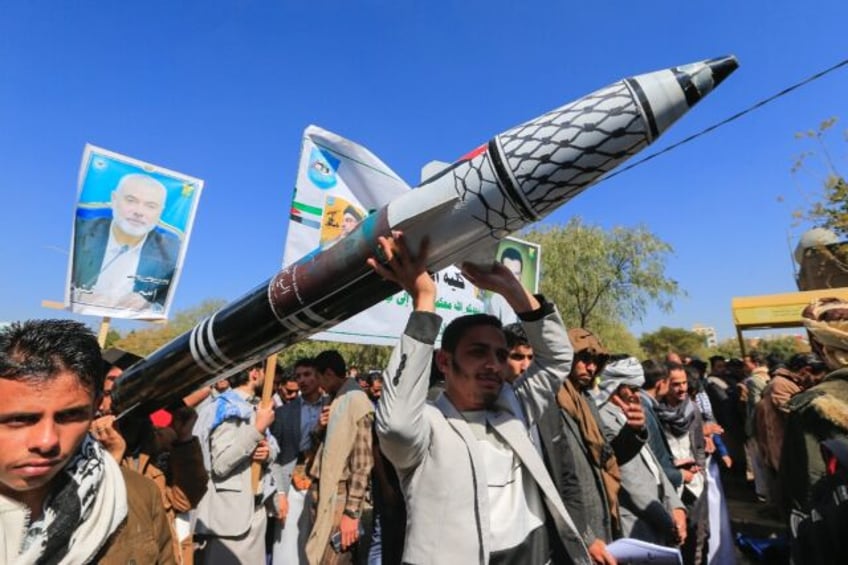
<point x="676" y="419"/>
<point x="85" y="506"/>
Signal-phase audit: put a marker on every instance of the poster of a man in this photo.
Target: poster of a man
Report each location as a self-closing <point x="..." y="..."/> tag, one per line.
<point x="340" y="217"/>
<point x="511" y="258"/>
<point x="350" y="219"/>
<point x="522" y="258"/>
<point x="131" y="229"/>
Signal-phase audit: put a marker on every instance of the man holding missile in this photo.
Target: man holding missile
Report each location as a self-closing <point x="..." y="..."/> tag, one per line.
<point x="477" y="490"/>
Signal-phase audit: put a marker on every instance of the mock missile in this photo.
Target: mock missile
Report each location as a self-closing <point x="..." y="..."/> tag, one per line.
<point x="517" y="178"/>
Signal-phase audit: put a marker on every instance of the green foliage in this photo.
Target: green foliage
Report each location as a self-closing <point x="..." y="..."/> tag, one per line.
<point x="617" y="339"/>
<point x="145" y="341"/>
<point x="598" y="277"/>
<point x="828" y="206"/>
<point x="112" y="336"/>
<point x="784" y="346"/>
<point x="727" y="348"/>
<point x="365" y="357"/>
<point x="678" y="340"/>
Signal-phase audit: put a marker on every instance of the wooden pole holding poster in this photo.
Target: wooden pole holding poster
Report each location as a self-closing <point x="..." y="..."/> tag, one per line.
<point x="264" y="402"/>
<point x="103" y="332"/>
<point x="105" y="322"/>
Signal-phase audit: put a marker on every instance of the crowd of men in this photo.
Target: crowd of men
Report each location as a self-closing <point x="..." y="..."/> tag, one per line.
<point x="525" y="444"/>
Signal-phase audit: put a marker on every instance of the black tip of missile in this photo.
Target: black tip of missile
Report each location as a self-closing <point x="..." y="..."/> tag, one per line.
<point x="721" y="68"/>
<point x="699" y="79"/>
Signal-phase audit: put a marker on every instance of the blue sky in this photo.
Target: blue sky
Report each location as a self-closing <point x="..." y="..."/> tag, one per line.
<point x="222" y="90"/>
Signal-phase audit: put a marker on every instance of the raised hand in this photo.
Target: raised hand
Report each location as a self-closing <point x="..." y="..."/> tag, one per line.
<point x="497" y="278"/>
<point x="408" y="270"/>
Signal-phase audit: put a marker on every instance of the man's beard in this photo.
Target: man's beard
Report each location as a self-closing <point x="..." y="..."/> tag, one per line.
<point x="488" y="398"/>
<point x="131" y="229"/>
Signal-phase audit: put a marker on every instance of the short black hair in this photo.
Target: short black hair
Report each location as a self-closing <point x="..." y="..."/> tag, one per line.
<point x="331" y="359"/>
<point x="515" y="335"/>
<point x="654" y="373"/>
<point x="699" y="365"/>
<point x="802" y="360"/>
<point x="38" y="350"/>
<point x="304" y="362"/>
<point x="351" y="209"/>
<point x="693" y="380"/>
<point x="513" y="254"/>
<point x="243" y="376"/>
<point x="458" y="326"/>
<point x="673" y="366"/>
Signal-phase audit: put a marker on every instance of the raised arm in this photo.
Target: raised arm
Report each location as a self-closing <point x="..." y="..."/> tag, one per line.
<point x="401" y="426"/>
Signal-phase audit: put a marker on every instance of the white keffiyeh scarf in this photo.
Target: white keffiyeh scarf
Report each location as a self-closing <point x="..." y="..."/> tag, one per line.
<point x="87" y="504"/>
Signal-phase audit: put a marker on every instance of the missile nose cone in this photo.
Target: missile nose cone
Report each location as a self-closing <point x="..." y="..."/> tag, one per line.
<point x="668" y="94"/>
<point x="699" y="79"/>
<point x="721" y="68"/>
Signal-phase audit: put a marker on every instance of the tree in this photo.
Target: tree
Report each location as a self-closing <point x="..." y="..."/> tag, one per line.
<point x="598" y="277"/>
<point x="616" y="338"/>
<point x="112" y="336"/>
<point x="145" y="341"/>
<point x="365" y="357"/>
<point x="728" y="348"/>
<point x="678" y="340"/>
<point x="828" y="209"/>
<point x="784" y="346"/>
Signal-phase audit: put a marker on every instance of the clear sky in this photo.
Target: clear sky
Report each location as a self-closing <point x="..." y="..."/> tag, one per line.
<point x="222" y="90"/>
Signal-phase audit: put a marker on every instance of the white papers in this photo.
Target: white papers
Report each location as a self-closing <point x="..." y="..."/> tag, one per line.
<point x="634" y="551"/>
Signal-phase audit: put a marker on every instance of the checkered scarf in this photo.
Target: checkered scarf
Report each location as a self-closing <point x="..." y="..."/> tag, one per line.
<point x="627" y="371"/>
<point x="827" y="321"/>
<point x="85" y="507"/>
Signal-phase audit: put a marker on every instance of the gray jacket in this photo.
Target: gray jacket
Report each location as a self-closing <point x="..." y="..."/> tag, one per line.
<point x="437" y="456"/>
<point x="229" y="503"/>
<point x="647" y="497"/>
<point x="576" y="478"/>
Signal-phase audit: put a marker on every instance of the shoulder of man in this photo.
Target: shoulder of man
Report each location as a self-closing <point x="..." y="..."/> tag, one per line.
<point x="91" y="226"/>
<point x="359" y="399"/>
<point x="828" y="400"/>
<point x="288" y="410"/>
<point x="165" y="241"/>
<point x="140" y="490"/>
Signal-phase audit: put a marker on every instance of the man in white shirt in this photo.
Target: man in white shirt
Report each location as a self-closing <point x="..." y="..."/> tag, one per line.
<point x="293" y="428"/>
<point x="476" y="489"/>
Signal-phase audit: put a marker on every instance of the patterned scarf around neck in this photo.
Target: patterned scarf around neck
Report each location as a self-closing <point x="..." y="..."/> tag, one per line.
<point x="86" y="506"/>
<point x="677" y="419"/>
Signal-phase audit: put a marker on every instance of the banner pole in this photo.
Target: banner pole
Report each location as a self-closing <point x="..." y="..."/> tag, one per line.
<point x="104" y="331"/>
<point x="264" y="402"/>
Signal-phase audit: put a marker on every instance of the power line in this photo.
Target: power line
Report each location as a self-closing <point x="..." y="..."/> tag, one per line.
<point x="732" y="118"/>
